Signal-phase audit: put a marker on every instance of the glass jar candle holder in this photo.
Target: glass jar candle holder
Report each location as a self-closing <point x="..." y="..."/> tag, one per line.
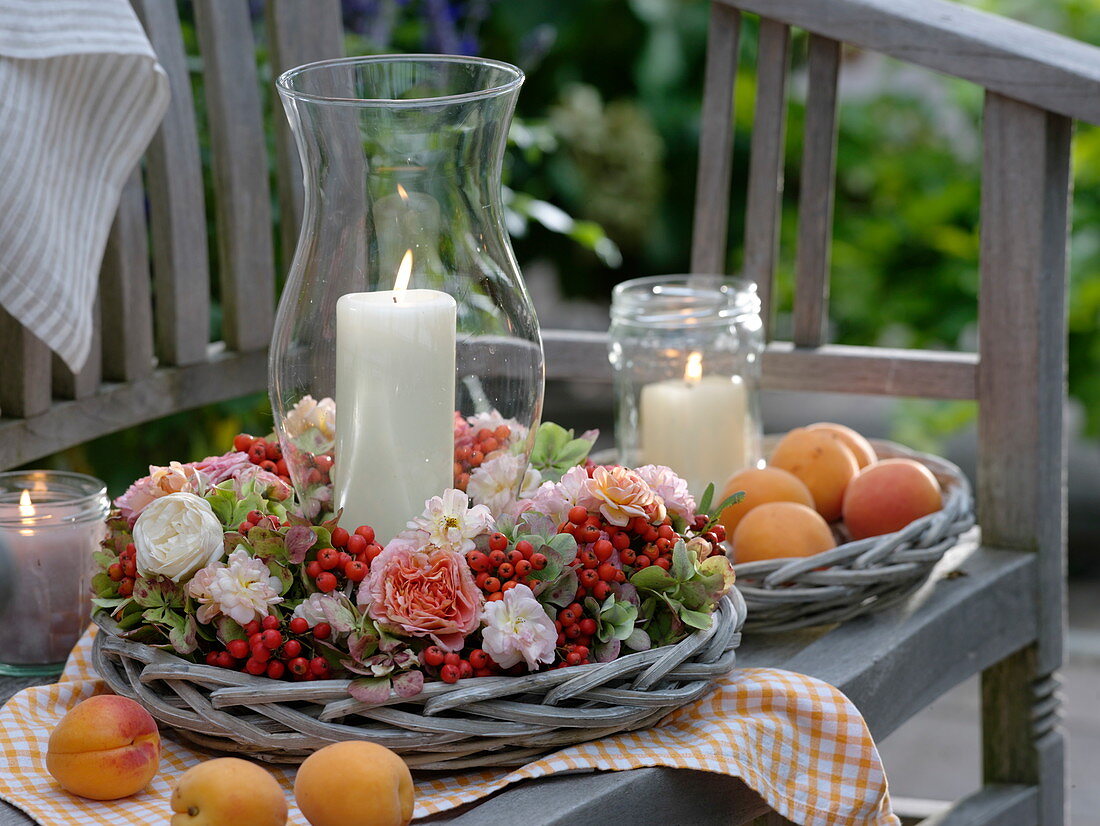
<point x="686" y="357"/>
<point x="406" y="352"/>
<point x="51" y="523"/>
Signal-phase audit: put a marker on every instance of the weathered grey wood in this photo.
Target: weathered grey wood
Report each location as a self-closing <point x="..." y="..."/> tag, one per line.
<point x="1022" y="387"/>
<point x="832" y="368"/>
<point x="870" y="370"/>
<point x="712" y="188"/>
<point x="765" y="186"/>
<point x="1003" y="55"/>
<point x="79" y="384"/>
<point x="25" y="372"/>
<point x="1022" y="339"/>
<point x="175" y="190"/>
<point x="116" y="406"/>
<point x="246" y="264"/>
<point x="616" y="799"/>
<point x="815" y="197"/>
<point x="299" y="31"/>
<point x="893" y="664"/>
<point x="127" y="345"/>
<point x="996" y="805"/>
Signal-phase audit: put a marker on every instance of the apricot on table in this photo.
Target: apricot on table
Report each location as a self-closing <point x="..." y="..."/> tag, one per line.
<point x="354" y="783"/>
<point x="777" y="530"/>
<point x="888" y="495"/>
<point x="105" y="748"/>
<point x="760" y="485"/>
<point x="228" y="791"/>
<point x="853" y="440"/>
<point x="822" y="461"/>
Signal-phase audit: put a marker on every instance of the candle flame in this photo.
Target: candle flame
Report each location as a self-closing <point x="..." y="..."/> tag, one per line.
<point x="404" y="271"/>
<point x="404" y="195"/>
<point x="694" y="369"/>
<point x="26" y="509"/>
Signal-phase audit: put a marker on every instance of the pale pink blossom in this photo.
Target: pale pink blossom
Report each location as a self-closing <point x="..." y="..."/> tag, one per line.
<point x="310" y="416"/>
<point x="423" y="593"/>
<point x="518" y="628"/>
<point x="621" y="495"/>
<point x="244" y="590"/>
<point x="672" y="489"/>
<point x="226" y="466"/>
<point x="555" y="499"/>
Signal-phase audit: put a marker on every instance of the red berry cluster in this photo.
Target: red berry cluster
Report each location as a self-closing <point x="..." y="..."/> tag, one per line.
<point x="263" y="520"/>
<point x="468" y="457"/>
<point x="280" y="653"/>
<point x="125" y="570"/>
<point x="500" y="569"/>
<point x="452" y="666"/>
<point x="575" y="632"/>
<point x="347" y="561"/>
<point x="267" y="454"/>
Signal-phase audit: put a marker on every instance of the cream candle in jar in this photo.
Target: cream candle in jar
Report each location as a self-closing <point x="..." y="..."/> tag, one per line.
<point x="695" y="425"/>
<point x="51" y="522"/>
<point x="686" y="357"/>
<point x="395" y="403"/>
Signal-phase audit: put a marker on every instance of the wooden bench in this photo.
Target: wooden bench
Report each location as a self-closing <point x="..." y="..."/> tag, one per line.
<point x="1003" y="619"/>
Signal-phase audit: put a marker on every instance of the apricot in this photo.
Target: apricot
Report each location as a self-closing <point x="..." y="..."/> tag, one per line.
<point x="822" y="461"/>
<point x="760" y="485"/>
<point x="228" y="791"/>
<point x="354" y="783"/>
<point x="888" y="495"/>
<point x="777" y="530"/>
<point x="105" y="748"/>
<point x="860" y="447"/>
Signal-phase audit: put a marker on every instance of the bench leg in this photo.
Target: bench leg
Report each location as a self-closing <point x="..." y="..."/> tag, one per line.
<point x="1022" y="739"/>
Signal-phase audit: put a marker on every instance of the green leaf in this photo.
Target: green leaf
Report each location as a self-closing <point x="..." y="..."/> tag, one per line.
<point x="228" y="629"/>
<point x="103" y="585"/>
<point x="696" y="619"/>
<point x="708" y="497"/>
<point x="653" y="578"/>
<point x="182" y="633"/>
<point x="682" y="566"/>
<point x="286" y="578"/>
<point x="109" y="602"/>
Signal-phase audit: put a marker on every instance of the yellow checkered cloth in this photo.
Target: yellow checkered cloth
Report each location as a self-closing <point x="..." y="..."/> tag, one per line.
<point x="797" y="741"/>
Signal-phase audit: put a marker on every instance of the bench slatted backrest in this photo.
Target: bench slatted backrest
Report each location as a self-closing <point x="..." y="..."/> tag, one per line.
<point x="153" y="354"/>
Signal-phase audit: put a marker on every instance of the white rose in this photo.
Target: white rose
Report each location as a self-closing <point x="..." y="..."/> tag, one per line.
<point x="176" y="535"/>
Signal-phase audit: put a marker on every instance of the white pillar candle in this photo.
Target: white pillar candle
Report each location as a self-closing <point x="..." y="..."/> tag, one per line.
<point x="395" y="403"/>
<point x="696" y="425"/>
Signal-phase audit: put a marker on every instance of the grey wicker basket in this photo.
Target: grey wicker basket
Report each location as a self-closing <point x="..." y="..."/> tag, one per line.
<point x="480" y="722"/>
<point x="856" y="578"/>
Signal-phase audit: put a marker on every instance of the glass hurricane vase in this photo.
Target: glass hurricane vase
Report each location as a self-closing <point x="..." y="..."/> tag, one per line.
<point x="406" y="352"/>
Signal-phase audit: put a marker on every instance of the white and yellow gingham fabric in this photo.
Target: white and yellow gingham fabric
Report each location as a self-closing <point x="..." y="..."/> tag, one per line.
<point x="797" y="741"/>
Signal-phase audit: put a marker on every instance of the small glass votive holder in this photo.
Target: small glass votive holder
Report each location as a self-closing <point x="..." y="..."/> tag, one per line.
<point x="51" y="523"/>
<point x="686" y="356"/>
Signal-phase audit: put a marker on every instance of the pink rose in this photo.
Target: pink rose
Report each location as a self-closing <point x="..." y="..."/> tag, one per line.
<point x="428" y="592"/>
<point x="161" y="481"/>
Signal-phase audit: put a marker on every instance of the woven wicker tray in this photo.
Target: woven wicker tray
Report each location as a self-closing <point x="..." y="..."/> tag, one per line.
<point x="856" y="578"/>
<point x="487" y="721"/>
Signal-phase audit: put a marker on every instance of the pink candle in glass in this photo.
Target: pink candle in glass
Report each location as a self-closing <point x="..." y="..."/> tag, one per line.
<point x="51" y="523"/>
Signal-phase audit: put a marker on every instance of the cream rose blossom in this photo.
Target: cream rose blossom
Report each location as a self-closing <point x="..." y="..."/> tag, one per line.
<point x="177" y="535"/>
<point x="672" y="489"/>
<point x="518" y="628"/>
<point x="244" y="590"/>
<point x="621" y="494"/>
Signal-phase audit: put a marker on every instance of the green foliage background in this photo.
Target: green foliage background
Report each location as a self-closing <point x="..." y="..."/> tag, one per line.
<point x="607" y="133"/>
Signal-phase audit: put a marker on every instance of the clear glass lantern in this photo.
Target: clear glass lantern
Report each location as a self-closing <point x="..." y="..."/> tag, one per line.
<point x="405" y="330"/>
<point x="686" y="356"/>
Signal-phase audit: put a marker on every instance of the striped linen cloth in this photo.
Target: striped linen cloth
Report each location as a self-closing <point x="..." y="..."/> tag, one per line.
<point x="82" y="94"/>
<point x="797" y="741"/>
